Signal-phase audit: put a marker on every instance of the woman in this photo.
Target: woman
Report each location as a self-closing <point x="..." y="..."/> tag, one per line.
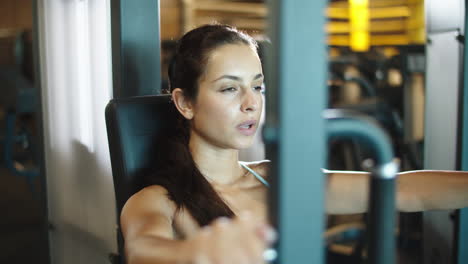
<point x="203" y="205"/>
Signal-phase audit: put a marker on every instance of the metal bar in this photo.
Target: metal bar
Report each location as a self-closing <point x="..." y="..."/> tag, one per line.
<point x="257" y="9"/>
<point x="345" y="123"/>
<point x="294" y="131"/>
<point x="38" y="20"/>
<point x="375" y="40"/>
<point x="381" y="223"/>
<point x="376" y="26"/>
<point x="374" y="13"/>
<point x="462" y="235"/>
<point x="136" y="47"/>
<point x="441" y="137"/>
<point x="380" y="3"/>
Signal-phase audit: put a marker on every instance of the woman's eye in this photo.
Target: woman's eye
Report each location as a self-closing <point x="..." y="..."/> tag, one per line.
<point x="229" y="89"/>
<point x="260" y="88"/>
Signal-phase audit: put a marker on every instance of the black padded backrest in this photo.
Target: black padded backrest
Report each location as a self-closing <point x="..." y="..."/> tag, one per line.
<point x="132" y="126"/>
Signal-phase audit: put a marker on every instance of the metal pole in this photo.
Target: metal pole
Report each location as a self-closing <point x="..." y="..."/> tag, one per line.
<point x="462" y="225"/>
<point x="38" y="29"/>
<point x="136" y="47"/>
<point x="294" y="129"/>
<point x="381" y="222"/>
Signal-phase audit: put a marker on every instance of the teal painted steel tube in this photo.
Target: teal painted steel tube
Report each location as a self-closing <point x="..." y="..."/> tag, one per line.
<point x="38" y="117"/>
<point x="294" y="132"/>
<point x="351" y="124"/>
<point x="381" y="223"/>
<point x="136" y="47"/>
<point x="462" y="236"/>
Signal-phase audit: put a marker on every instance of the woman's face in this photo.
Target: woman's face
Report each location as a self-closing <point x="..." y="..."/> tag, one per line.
<point x="230" y="98"/>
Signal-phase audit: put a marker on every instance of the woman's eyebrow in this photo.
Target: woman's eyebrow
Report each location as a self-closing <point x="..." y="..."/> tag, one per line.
<point x="231" y="77"/>
<point x="258" y="76"/>
<point x="236" y="78"/>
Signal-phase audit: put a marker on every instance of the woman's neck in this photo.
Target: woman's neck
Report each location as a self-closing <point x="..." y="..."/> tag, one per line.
<point x="219" y="166"/>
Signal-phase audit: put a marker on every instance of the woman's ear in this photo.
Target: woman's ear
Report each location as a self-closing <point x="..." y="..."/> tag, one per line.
<point x="183" y="104"/>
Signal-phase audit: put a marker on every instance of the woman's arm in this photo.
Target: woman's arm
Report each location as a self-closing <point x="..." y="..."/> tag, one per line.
<point x="147" y="228"/>
<point x="347" y="192"/>
<point x="432" y="190"/>
<point x="146" y="222"/>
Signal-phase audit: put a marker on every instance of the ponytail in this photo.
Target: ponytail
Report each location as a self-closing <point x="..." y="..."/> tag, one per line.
<point x="177" y="172"/>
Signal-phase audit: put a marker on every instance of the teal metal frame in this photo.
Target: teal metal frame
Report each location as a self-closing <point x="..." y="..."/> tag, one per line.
<point x="462" y="235"/>
<point x="381" y="241"/>
<point x="44" y="211"/>
<point x="136" y="47"/>
<point x="294" y="130"/>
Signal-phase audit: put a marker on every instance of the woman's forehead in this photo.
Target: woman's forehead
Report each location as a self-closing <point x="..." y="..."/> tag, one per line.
<point x="233" y="59"/>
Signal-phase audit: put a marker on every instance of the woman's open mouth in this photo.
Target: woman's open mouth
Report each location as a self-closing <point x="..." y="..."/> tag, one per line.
<point x="247" y="128"/>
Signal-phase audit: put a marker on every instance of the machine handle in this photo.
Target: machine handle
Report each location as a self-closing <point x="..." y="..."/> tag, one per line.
<point x="381" y="223"/>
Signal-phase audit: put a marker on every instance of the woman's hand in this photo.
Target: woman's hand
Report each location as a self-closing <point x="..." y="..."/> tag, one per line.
<point x="241" y="240"/>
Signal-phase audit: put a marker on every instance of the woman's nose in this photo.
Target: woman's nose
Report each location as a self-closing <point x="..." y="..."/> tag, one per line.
<point x="250" y="102"/>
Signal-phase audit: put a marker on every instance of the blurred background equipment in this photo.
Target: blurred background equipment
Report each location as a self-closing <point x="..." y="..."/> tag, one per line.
<point x="23" y="225"/>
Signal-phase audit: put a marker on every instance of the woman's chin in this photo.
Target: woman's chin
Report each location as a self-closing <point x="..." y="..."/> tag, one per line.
<point x="245" y="144"/>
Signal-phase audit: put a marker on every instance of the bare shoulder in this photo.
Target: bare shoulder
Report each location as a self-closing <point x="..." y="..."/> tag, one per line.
<point x="149" y="211"/>
<point x="154" y="196"/>
<point x="261" y="167"/>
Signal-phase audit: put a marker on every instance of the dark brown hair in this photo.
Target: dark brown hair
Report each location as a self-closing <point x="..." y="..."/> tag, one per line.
<point x="176" y="169"/>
